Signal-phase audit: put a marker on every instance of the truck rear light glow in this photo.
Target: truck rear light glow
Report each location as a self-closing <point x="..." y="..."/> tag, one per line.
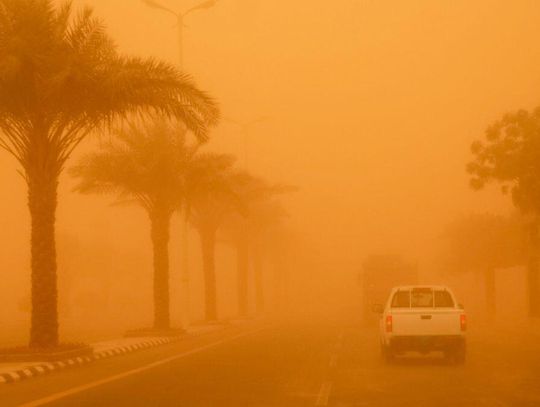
<point x="388" y="323"/>
<point x="463" y="322"/>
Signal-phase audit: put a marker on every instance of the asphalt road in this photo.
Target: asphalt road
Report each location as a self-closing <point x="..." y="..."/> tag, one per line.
<point x="294" y="364"/>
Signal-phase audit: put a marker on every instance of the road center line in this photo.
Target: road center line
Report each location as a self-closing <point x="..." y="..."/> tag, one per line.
<point x="79" y="389"/>
<point x="333" y="361"/>
<point x="339" y="342"/>
<point x="324" y="394"/>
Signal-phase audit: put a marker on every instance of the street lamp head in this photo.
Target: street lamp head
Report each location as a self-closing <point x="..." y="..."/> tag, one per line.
<point x="204" y="5"/>
<point x="158" y="6"/>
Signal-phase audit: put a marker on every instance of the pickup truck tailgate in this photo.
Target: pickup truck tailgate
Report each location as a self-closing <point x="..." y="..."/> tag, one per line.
<point x="428" y="321"/>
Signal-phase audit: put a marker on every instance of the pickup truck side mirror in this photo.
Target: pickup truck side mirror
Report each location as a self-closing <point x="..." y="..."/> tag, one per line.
<point x="377" y="308"/>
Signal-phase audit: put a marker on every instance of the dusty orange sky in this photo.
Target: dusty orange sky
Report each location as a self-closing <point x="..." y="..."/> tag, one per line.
<point x="371" y="106"/>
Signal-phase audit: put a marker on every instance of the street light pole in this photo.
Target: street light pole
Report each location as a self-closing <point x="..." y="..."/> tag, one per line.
<point x="180" y="16"/>
<point x="244" y="130"/>
<point x="181" y="41"/>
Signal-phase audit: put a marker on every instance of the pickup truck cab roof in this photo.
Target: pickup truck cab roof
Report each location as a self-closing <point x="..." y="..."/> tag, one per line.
<point x="424" y="286"/>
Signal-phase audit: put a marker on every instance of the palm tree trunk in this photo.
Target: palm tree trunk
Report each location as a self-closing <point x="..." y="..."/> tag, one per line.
<point x="242" y="253"/>
<point x="490" y="286"/>
<point x="258" y="274"/>
<point x="533" y="277"/>
<point x="208" y="245"/>
<point x="185" y="269"/>
<point x="42" y="202"/>
<point x="160" y="232"/>
<point x="278" y="284"/>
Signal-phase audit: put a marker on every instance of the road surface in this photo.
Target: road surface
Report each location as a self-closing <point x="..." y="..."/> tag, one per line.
<point x="293" y="364"/>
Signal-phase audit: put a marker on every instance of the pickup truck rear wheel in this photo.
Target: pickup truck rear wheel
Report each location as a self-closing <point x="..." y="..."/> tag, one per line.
<point x="459" y="357"/>
<point x="456" y="355"/>
<point x="388" y="354"/>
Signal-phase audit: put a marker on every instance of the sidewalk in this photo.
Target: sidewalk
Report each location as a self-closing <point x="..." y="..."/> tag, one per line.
<point x="13" y="372"/>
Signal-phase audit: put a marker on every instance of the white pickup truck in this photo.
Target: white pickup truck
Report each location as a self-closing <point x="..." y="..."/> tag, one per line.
<point x="422" y="319"/>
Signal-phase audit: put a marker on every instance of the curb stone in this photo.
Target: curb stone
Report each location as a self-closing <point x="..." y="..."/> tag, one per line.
<point x="45" y="368"/>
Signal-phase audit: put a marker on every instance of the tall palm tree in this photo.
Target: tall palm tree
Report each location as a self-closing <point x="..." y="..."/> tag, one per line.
<point x="61" y="77"/>
<point x="212" y="194"/>
<point x="147" y="166"/>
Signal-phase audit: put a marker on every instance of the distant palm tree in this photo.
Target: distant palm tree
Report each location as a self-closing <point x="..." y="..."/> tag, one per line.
<point x="264" y="214"/>
<point x="235" y="234"/>
<point x="61" y="78"/>
<point x="146" y="166"/>
<point x="260" y="212"/>
<point x="237" y="228"/>
<point x="212" y="195"/>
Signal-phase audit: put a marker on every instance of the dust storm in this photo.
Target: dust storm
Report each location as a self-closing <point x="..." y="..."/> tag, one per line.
<point x="271" y="171"/>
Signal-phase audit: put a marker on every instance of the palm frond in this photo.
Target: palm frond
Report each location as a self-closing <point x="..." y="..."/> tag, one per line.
<point x="144" y="163"/>
<point x="62" y="17"/>
<point x="62" y="74"/>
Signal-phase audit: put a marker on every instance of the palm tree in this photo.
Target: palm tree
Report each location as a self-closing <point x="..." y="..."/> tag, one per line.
<point x="235" y="228"/>
<point x="61" y="78"/>
<point x="212" y="194"/>
<point x="147" y="166"/>
<point x="246" y="230"/>
<point x="265" y="214"/>
<point x="236" y="233"/>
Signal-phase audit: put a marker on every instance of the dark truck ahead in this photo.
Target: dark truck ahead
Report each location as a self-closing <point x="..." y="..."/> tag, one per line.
<point x="379" y="275"/>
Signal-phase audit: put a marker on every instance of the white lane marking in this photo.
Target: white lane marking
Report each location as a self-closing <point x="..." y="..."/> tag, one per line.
<point x="337" y="348"/>
<point x="339" y="343"/>
<point x="324" y="394"/>
<point x="333" y="361"/>
<point x="91" y="385"/>
<point x="490" y="401"/>
<point x="326" y="388"/>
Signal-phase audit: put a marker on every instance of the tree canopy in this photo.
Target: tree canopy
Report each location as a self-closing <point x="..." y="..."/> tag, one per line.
<point x="61" y="76"/>
<point x="510" y="155"/>
<point x="144" y="164"/>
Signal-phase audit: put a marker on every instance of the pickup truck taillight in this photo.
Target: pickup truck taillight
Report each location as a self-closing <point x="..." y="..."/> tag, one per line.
<point x="463" y="322"/>
<point x="388" y="323"/>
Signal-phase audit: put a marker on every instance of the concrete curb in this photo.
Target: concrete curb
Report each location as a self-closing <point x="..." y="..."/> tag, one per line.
<point x="46" y="368"/>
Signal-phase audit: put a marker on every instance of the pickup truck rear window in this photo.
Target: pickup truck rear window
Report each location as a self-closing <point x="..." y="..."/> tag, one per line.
<point x="443" y="299"/>
<point x="422" y="298"/>
<point x="401" y="299"/>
